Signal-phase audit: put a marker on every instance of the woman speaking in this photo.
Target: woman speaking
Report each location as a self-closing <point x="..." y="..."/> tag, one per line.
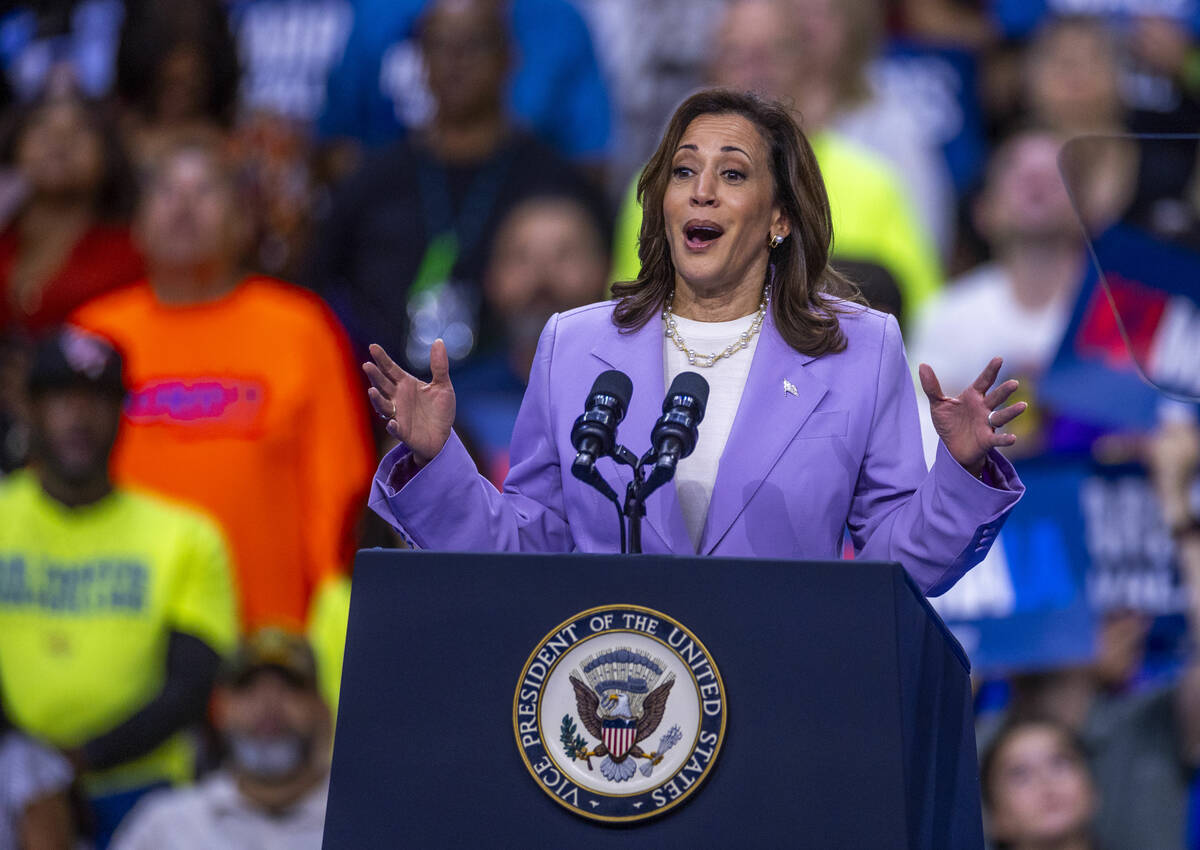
<point x="811" y="424"/>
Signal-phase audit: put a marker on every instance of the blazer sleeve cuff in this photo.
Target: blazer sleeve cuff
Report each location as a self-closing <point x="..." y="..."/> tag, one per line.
<point x="995" y="495"/>
<point x="401" y="491"/>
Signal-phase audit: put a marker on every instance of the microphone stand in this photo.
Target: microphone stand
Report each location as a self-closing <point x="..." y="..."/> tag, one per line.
<point x="635" y="505"/>
<point x="636" y="493"/>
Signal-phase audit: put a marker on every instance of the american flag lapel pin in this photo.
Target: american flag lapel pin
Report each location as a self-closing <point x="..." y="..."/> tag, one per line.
<point x="789" y="388"/>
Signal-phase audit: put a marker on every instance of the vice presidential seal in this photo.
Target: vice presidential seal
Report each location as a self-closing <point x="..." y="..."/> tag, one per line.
<point x="619" y="713"/>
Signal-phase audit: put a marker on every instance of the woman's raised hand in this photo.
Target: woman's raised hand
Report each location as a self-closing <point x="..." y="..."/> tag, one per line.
<point x="418" y="414"/>
<point x="968" y="423"/>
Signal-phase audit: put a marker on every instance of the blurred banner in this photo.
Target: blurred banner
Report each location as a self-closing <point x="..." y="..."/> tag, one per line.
<point x="1084" y="539"/>
<point x="1025" y="607"/>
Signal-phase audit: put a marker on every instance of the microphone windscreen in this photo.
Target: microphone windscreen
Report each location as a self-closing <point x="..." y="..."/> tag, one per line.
<point x="690" y="384"/>
<point x="616" y="384"/>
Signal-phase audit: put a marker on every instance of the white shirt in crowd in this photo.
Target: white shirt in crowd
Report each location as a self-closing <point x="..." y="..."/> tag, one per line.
<point x="974" y="319"/>
<point x="697" y="473"/>
<point x="214" y="815"/>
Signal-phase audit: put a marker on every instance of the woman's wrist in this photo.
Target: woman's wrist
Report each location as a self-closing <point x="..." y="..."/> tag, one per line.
<point x="977" y="468"/>
<point x="421" y="459"/>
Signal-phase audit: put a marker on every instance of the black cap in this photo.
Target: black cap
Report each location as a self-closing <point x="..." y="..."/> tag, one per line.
<point x="72" y="357"/>
<point x="273" y="648"/>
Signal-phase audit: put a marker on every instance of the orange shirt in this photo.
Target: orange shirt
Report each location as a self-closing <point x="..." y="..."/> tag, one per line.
<point x="249" y="407"/>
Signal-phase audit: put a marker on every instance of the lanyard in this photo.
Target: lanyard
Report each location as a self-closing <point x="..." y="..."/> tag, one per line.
<point x="451" y="235"/>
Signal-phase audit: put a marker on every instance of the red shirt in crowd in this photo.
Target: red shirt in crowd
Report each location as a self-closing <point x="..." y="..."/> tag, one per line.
<point x="103" y="259"/>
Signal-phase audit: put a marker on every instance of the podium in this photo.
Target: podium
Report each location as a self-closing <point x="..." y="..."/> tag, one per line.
<point x="847" y="716"/>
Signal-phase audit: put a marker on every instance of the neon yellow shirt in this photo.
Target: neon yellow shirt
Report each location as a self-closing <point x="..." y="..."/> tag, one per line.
<point x="873" y="221"/>
<point x="88" y="598"/>
<point x="327" y="621"/>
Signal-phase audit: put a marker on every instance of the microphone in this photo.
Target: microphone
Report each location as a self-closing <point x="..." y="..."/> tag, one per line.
<point x="674" y="435"/>
<point x="594" y="433"/>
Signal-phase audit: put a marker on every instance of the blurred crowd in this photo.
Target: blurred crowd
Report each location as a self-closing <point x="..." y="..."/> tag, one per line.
<point x="209" y="209"/>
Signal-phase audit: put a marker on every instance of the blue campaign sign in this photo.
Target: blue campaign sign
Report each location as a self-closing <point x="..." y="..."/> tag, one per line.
<point x="941" y="84"/>
<point x="1097" y="375"/>
<point x="1020" y="19"/>
<point x="1026" y="606"/>
<point x="1083" y="540"/>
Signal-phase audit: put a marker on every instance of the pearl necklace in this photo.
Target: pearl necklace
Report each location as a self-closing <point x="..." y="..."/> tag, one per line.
<point x="743" y="340"/>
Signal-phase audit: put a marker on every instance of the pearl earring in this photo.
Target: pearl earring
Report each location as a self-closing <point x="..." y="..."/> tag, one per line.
<point x="776" y="241"/>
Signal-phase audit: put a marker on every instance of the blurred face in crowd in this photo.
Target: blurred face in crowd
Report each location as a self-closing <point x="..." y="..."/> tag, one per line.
<point x="547" y="257"/>
<point x="1073" y="78"/>
<point x="756" y="49"/>
<point x="1041" y="791"/>
<point x="1025" y="198"/>
<point x="74" y="429"/>
<point x="274" y="725"/>
<point x="183" y="85"/>
<point x="466" y="58"/>
<point x="719" y="207"/>
<point x="189" y="217"/>
<point x="60" y="152"/>
<point x="820" y="31"/>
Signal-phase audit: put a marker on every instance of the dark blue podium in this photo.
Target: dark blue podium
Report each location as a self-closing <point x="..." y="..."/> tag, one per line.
<point x="848" y="704"/>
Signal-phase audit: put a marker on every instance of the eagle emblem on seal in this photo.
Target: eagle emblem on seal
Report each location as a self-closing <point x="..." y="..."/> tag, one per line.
<point x="621" y="695"/>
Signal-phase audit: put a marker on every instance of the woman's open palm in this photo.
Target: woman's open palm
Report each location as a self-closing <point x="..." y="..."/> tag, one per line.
<point x="419" y="414"/>
<point x="968" y="422"/>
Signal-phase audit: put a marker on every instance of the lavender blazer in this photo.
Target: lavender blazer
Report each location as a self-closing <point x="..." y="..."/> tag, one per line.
<point x="843" y="451"/>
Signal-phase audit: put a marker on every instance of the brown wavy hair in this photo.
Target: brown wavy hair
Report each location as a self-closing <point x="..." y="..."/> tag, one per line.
<point x="806" y="293"/>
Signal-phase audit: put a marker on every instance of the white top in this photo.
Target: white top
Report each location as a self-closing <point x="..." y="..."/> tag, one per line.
<point x="696" y="474"/>
<point x="213" y="813"/>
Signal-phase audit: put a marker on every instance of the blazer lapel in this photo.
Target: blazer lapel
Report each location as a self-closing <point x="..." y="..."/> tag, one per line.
<point x="640" y="356"/>
<point x="767" y="419"/>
